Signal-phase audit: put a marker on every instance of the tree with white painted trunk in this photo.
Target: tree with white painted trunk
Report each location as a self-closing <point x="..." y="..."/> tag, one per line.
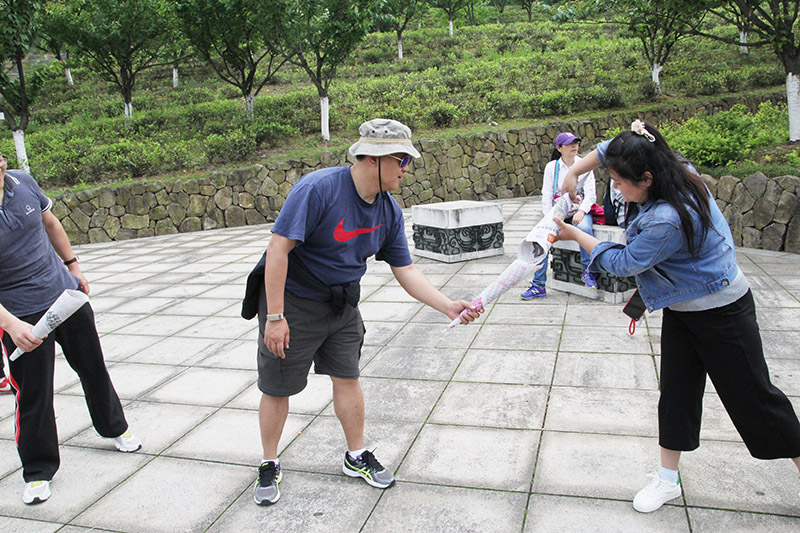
<point x="120" y="38"/>
<point x="318" y="35"/>
<point x="500" y="6"/>
<point x="235" y="37"/>
<point x="18" y="87"/>
<point x="775" y="23"/>
<point x="50" y="26"/>
<point x="451" y="9"/>
<point x="397" y="14"/>
<point x="657" y="24"/>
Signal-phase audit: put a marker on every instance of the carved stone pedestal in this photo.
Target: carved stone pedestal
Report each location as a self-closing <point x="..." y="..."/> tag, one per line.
<point x="565" y="260"/>
<point x="458" y="231"/>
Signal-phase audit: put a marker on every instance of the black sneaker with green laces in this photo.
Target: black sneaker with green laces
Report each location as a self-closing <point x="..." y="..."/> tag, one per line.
<point x="266" y="491"/>
<point x="367" y="467"/>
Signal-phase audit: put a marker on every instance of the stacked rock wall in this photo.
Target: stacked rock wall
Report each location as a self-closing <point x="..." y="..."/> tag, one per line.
<point x="762" y="212"/>
<point x="481" y="166"/>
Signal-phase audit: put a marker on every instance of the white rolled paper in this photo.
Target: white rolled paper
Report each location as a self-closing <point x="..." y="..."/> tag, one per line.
<point x="532" y="251"/>
<point x="63" y="308"/>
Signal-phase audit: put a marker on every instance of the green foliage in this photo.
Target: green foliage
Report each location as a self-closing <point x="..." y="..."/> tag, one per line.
<point x="512" y="71"/>
<point x="729" y="136"/>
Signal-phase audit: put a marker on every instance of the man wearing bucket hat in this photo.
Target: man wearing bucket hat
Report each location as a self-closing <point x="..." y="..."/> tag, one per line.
<point x="333" y="220"/>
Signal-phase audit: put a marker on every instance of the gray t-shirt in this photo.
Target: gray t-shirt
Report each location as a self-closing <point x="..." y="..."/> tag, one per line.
<point x="32" y="275"/>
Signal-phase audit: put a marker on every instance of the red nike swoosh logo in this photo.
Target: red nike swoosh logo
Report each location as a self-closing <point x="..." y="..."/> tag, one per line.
<point x="342" y="235"/>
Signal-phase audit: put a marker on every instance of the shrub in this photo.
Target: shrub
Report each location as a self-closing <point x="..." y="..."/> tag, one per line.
<point x="729" y="136"/>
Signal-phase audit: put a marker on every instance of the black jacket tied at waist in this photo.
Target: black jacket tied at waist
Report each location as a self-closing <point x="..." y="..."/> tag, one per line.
<point x="339" y="295"/>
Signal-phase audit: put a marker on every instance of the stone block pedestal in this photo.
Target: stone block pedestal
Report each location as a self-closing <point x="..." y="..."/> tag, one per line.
<point x="457" y="231"/>
<point x="565" y="260"/>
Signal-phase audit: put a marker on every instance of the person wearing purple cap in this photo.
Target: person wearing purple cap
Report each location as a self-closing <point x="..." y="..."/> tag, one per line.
<point x="564" y="155"/>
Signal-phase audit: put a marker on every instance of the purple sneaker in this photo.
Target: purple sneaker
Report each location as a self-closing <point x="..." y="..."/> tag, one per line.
<point x="534" y="291"/>
<point x="588" y="280"/>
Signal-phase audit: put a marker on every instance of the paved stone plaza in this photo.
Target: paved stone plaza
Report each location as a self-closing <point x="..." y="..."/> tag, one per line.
<point x="539" y="417"/>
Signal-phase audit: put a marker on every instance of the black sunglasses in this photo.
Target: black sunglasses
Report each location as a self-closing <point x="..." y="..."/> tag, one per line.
<point x="404" y="161"/>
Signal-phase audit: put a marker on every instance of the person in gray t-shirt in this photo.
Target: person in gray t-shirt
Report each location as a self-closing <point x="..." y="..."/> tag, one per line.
<point x="36" y="265"/>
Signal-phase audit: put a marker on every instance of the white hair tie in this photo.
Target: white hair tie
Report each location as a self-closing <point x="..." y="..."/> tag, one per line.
<point x="637" y="127"/>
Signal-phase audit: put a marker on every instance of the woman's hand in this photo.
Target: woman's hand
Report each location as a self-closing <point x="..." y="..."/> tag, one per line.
<point x="577" y="217"/>
<point x="567" y="232"/>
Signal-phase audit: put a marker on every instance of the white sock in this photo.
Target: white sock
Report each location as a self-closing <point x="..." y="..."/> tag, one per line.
<point x="357" y="453"/>
<point x="668" y="475"/>
<point x="276" y="461"/>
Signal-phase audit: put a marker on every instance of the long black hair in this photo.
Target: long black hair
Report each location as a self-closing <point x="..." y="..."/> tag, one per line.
<point x="632" y="155"/>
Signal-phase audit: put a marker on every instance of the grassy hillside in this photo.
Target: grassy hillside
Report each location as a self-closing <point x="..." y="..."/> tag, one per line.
<point x="486" y="73"/>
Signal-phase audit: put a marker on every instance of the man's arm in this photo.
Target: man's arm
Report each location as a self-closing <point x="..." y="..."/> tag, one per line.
<point x="276" y="333"/>
<point x="60" y="241"/>
<point x="417" y="285"/>
<point x="19" y="331"/>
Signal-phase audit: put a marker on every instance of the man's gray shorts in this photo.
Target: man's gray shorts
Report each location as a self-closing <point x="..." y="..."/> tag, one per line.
<point x="316" y="334"/>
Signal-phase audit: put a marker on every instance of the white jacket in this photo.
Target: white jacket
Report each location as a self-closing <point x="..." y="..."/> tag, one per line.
<point x="550" y="189"/>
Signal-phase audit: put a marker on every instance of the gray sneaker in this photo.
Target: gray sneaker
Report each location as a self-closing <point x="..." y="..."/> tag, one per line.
<point x="266" y="491"/>
<point x="367" y="467"/>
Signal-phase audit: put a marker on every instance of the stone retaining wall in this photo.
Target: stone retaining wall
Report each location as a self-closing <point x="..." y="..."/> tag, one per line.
<point x="762" y="212"/>
<point x="482" y="166"/>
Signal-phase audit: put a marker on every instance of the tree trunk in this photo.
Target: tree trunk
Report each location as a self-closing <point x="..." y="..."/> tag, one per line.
<point x="68" y="74"/>
<point x="655" y="71"/>
<point x="793" y="101"/>
<point x="743" y="48"/>
<point x="399" y="48"/>
<point x="451" y="27"/>
<point x="128" y="110"/>
<point x="22" y="155"/>
<point x="323" y="108"/>
<point x="248" y="104"/>
<point x="175" y="78"/>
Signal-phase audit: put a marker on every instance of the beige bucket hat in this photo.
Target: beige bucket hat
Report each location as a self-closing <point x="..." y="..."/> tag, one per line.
<point x="383" y="136"/>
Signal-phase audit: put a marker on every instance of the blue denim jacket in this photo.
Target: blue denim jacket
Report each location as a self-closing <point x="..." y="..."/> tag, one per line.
<point x="658" y="256"/>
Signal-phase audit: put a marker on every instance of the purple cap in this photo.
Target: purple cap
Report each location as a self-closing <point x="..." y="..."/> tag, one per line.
<point x="566" y="138"/>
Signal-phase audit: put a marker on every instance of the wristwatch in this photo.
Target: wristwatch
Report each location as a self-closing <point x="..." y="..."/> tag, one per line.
<point x="274" y="318"/>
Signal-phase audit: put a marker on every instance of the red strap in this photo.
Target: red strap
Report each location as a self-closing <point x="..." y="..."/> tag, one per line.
<point x="632" y="326"/>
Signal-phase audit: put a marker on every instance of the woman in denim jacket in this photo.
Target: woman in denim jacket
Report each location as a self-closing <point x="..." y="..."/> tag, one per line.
<point x="681" y="252"/>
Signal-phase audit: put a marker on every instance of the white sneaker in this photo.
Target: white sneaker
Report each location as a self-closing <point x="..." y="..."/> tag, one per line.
<point x="655" y="494"/>
<point x="127" y="442"/>
<point x="36" y="492"/>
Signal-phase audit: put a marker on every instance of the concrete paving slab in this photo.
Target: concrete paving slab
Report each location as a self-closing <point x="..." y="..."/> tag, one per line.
<point x="206" y="490"/>
<point x="132" y="380"/>
<point x="610" y="411"/>
<point x="559" y="513"/>
<point x="203" y="386"/>
<point x="724" y="475"/>
<point x="321" y="446"/>
<point x="514" y="337"/>
<point x="20" y="525"/>
<point x="492" y="405"/>
<point x="158" y="425"/>
<point x="211" y="439"/>
<point x="414" y="508"/>
<point x="713" y="520"/>
<point x="600" y="370"/>
<point x="85" y="475"/>
<point x="310" y="503"/>
<point x="594" y="466"/>
<point x="507" y="366"/>
<point x="468" y="457"/>
<point x="175" y="351"/>
<point x="433" y="401"/>
<point x="547" y="315"/>
<point x="397" y="399"/>
<point x="9" y="460"/>
<point x="414" y="363"/>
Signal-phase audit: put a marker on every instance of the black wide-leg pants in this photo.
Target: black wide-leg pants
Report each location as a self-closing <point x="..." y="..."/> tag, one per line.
<point x="725" y="344"/>
<point x="32" y="376"/>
